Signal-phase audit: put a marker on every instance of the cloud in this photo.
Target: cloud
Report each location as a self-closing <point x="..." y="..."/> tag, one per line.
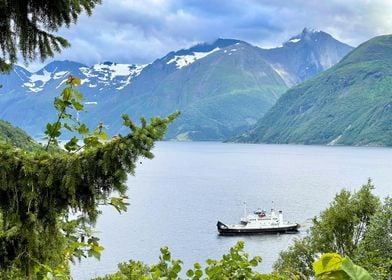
<point x="139" y="31"/>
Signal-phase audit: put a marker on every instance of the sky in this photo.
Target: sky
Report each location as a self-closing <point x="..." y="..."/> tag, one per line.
<point x="140" y="31"/>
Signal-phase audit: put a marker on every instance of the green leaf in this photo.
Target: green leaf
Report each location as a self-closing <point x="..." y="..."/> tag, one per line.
<point x="67" y="94"/>
<point x="98" y="248"/>
<point x="333" y="266"/>
<point x="101" y="135"/>
<point x="78" y="95"/>
<point x="165" y="254"/>
<point x="177" y="268"/>
<point x="328" y="262"/>
<point x="190" y="273"/>
<point x="59" y="104"/>
<point x="91" y="141"/>
<point x="198" y="273"/>
<point x="119" y="204"/>
<point x="83" y="129"/>
<point x="334" y="275"/>
<point x="77" y="105"/>
<point x="68" y="127"/>
<point x="72" y="145"/>
<point x="253" y="262"/>
<point x="197" y="266"/>
<point x="53" y="130"/>
<point x="354" y="271"/>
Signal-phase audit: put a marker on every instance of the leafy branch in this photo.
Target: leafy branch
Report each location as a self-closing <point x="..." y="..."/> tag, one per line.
<point x="38" y="189"/>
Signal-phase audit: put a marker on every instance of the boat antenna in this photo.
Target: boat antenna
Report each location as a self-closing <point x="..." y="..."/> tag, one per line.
<point x="245" y="210"/>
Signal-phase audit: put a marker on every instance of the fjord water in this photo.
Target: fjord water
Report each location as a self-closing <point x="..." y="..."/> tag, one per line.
<point x="177" y="198"/>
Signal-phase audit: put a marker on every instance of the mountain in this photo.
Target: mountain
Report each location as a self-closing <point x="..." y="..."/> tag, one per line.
<point x="16" y="137"/>
<point x="305" y="55"/>
<point x="220" y="91"/>
<point x="221" y="88"/>
<point x="33" y="93"/>
<point x="349" y="104"/>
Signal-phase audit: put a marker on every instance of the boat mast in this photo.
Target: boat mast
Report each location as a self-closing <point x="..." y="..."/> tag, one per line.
<point x="245" y="210"/>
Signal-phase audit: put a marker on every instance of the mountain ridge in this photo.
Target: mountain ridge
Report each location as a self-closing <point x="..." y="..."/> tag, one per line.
<point x="206" y="82"/>
<point x="349" y="104"/>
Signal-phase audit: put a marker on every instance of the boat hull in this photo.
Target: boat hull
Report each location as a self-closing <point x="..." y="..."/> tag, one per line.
<point x="227" y="230"/>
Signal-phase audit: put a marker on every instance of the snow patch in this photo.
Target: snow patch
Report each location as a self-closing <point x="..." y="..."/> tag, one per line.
<point x="28" y="84"/>
<point x="125" y="83"/>
<point x="37" y="81"/>
<point x="137" y="69"/>
<point x="82" y="81"/>
<point x="97" y="76"/>
<point x="60" y="74"/>
<point x="311" y="30"/>
<point x="44" y="78"/>
<point x="294" y="40"/>
<point x="114" y="69"/>
<point x="111" y="74"/>
<point x="185" y="60"/>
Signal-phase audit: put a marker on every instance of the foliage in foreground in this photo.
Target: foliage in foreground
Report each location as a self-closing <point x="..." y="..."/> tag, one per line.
<point x="333" y="266"/>
<point x="356" y="226"/>
<point x="28" y="27"/>
<point x="234" y="265"/>
<point x="49" y="198"/>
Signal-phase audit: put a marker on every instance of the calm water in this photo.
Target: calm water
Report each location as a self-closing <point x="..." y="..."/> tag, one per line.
<point x="177" y="198"/>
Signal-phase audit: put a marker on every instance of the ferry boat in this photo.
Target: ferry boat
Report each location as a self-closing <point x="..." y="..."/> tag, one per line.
<point x="259" y="222"/>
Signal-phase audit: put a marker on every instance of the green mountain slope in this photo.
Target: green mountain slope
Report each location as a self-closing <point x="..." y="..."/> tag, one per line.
<point x="16" y="137"/>
<point x="349" y="104"/>
<point x="219" y="96"/>
<point x="230" y="94"/>
<point x="221" y="88"/>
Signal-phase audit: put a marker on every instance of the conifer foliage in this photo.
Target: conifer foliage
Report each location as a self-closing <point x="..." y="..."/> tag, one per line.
<point x="28" y="26"/>
<point x="39" y="189"/>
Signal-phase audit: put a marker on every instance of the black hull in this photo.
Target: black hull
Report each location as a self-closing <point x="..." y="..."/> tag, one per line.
<point x="225" y="230"/>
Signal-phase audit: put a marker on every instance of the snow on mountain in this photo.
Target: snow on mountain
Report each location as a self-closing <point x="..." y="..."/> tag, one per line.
<point x="185" y="57"/>
<point x="294" y="40"/>
<point x="99" y="76"/>
<point x="201" y="80"/>
<point x="314" y="51"/>
<point x="37" y="81"/>
<point x="305" y="35"/>
<point x="111" y="74"/>
<point x="59" y="75"/>
<point x="185" y="60"/>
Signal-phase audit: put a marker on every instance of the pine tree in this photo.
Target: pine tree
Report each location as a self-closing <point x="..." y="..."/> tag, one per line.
<point x="39" y="189"/>
<point x="29" y="26"/>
